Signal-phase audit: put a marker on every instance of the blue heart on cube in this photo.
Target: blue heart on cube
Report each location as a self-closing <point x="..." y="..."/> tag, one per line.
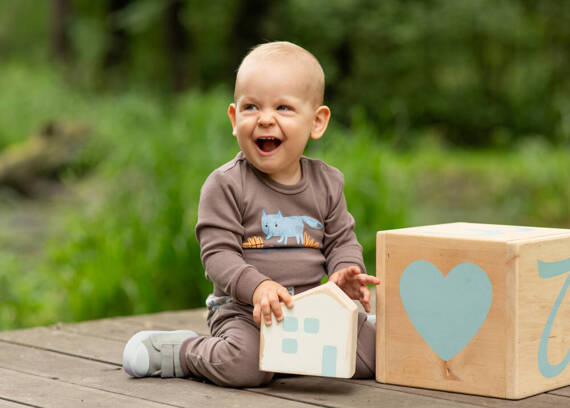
<point x="446" y="311"/>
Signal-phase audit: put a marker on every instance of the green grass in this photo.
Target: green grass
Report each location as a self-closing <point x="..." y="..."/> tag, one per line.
<point x="136" y="251"/>
<point x="527" y="185"/>
<point x="130" y="246"/>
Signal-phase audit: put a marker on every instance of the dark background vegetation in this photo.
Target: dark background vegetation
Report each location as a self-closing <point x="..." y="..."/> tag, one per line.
<point x="443" y="111"/>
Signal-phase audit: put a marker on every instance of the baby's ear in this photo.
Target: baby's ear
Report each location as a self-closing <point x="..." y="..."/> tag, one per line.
<point x="232" y="115"/>
<point x="320" y="122"/>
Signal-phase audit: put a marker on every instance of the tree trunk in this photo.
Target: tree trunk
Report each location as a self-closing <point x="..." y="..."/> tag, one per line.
<point x="247" y="30"/>
<point x="177" y="44"/>
<point x="60" y="42"/>
<point x="117" y="50"/>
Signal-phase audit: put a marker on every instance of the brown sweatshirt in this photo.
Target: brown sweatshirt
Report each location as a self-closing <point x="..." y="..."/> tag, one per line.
<point x="251" y="228"/>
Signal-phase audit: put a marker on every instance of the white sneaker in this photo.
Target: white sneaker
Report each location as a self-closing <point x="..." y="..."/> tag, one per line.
<point x="155" y="353"/>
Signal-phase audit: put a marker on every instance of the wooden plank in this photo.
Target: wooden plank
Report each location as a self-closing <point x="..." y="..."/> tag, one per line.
<point x="37" y="391"/>
<point x="331" y="392"/>
<point x="53" y="339"/>
<point x="11" y="404"/>
<point x="315" y="388"/>
<point x="101" y="340"/>
<point x="194" y="319"/>
<point x="106" y="329"/>
<point x="105" y="377"/>
<point x="50" y="364"/>
<point x="114" y="328"/>
<point x="538" y="401"/>
<point x="561" y="391"/>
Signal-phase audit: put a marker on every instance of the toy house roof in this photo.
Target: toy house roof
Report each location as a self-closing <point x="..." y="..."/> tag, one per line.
<point x="332" y="290"/>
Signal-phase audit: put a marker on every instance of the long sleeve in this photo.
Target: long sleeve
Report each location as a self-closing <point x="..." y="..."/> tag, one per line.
<point x="220" y="232"/>
<point x="340" y="245"/>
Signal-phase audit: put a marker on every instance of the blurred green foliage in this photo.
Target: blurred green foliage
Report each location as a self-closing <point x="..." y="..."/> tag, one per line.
<point x="479" y="72"/>
<point x="135" y="250"/>
<point x="26" y="297"/>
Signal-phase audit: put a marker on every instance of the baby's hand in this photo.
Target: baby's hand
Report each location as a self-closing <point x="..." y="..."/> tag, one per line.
<point x="266" y="299"/>
<point x="353" y="283"/>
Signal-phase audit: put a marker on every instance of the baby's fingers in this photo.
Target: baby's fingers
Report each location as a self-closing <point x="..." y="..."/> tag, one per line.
<point x="337" y="278"/>
<point x="266" y="311"/>
<point x="368" y="279"/>
<point x="354" y="270"/>
<point x="286" y="297"/>
<point x="275" y="307"/>
<point x="365" y="298"/>
<point x="257" y="314"/>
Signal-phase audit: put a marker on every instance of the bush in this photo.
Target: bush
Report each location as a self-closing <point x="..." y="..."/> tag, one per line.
<point x="27" y="298"/>
<point x="135" y="250"/>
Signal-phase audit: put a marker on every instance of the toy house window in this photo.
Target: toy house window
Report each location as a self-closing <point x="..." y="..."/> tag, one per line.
<point x="289" y="346"/>
<point x="290" y="324"/>
<point x="311" y="325"/>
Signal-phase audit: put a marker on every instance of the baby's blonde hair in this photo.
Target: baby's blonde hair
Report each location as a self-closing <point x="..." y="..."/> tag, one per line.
<point x="286" y="49"/>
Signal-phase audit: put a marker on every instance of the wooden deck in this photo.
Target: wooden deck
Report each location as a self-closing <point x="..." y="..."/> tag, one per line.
<point x="70" y="365"/>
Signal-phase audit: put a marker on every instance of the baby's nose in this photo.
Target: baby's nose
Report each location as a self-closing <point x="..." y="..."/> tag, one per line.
<point x="265" y="119"/>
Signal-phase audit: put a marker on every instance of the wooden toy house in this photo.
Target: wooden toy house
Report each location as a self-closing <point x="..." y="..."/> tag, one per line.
<point x="474" y="308"/>
<point x="316" y="337"/>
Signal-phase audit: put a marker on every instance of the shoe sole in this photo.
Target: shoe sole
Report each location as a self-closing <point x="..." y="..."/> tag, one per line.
<point x="130" y="350"/>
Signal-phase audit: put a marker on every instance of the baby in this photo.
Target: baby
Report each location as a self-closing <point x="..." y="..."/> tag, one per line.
<point x="271" y="223"/>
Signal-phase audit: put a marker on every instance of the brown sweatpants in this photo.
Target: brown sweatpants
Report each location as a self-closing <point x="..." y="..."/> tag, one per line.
<point x="230" y="356"/>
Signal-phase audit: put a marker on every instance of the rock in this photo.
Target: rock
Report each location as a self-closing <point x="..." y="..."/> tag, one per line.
<point x="30" y="167"/>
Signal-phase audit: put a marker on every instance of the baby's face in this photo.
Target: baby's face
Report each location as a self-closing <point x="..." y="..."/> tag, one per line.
<point x="274" y="115"/>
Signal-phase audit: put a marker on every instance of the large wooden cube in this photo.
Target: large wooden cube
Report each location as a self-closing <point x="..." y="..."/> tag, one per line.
<point x="474" y="308"/>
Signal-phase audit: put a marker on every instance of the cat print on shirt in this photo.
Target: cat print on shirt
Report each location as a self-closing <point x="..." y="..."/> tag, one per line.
<point x="275" y="225"/>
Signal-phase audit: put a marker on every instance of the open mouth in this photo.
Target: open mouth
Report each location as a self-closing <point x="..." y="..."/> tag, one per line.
<point x="267" y="144"/>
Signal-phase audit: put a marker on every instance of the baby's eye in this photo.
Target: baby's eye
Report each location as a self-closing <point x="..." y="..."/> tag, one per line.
<point x="249" y="106"/>
<point x="283" y="107"/>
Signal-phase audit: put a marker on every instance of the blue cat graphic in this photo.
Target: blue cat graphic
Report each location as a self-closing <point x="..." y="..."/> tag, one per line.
<point x="275" y="225"/>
